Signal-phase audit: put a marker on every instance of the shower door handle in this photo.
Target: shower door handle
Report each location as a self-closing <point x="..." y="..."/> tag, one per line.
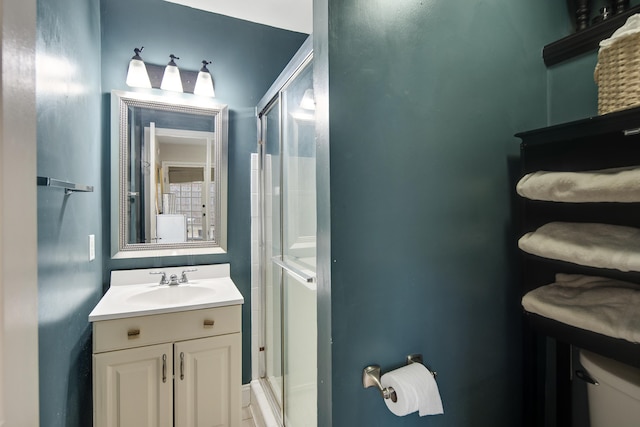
<point x="298" y="273"/>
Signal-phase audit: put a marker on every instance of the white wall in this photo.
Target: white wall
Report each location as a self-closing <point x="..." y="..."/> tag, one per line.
<point x="18" y="263"/>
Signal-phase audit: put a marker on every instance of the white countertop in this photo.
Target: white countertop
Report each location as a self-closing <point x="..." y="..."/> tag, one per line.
<point x="137" y="293"/>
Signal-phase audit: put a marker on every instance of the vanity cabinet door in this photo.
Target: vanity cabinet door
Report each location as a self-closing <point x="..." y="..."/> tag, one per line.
<point x="134" y="387"/>
<point x="208" y="382"/>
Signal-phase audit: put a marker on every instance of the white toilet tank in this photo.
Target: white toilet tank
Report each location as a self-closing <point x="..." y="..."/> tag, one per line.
<point x="616" y="400"/>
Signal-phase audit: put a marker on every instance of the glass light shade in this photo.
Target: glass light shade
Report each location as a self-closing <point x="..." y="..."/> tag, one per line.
<point x="171" y="79"/>
<point x="204" y="85"/>
<point x="137" y="75"/>
<point x="308" y="102"/>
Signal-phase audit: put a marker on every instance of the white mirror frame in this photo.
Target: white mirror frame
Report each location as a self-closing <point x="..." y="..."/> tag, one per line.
<point x="120" y="103"/>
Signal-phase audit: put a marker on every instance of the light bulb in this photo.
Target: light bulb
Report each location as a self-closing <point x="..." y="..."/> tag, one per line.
<point x="137" y="75"/>
<point x="204" y="83"/>
<point x="171" y="78"/>
<point x="308" y="102"/>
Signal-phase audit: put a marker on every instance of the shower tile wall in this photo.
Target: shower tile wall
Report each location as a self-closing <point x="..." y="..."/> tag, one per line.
<point x="272" y="309"/>
<point x="257" y="277"/>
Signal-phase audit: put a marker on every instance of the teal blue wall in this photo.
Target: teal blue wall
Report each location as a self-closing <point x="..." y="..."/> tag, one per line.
<point x="247" y="58"/>
<point x="573" y="94"/>
<point x="424" y="100"/>
<point x="69" y="148"/>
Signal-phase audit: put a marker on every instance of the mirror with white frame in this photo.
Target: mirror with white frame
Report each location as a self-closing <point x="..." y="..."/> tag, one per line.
<point x="168" y="175"/>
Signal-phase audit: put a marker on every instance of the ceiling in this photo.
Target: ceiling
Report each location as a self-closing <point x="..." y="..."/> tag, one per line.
<point x="293" y="15"/>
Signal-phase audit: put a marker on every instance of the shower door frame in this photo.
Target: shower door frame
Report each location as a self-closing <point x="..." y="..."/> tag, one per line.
<point x="298" y="63"/>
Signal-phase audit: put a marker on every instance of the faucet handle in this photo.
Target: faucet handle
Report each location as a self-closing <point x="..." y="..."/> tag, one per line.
<point x="163" y="279"/>
<point x="183" y="277"/>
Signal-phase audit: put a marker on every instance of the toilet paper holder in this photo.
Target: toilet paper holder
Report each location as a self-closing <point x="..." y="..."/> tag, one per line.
<point x="371" y="377"/>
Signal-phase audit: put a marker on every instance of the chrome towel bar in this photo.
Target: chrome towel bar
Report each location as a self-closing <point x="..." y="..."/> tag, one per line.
<point x="69" y="187"/>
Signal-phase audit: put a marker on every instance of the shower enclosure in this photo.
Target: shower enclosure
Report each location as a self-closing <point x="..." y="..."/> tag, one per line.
<point x="288" y="340"/>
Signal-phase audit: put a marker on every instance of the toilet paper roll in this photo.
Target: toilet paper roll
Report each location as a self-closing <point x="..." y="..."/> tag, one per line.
<point x="416" y="390"/>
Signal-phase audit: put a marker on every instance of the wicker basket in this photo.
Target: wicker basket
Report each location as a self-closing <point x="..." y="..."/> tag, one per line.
<point x="618" y="75"/>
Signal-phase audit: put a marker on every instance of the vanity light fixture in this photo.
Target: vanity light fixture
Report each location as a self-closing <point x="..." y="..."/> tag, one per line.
<point x="171" y="78"/>
<point x="204" y="83"/>
<point x="137" y="75"/>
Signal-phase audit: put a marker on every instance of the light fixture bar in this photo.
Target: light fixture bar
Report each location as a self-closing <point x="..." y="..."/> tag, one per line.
<point x="153" y="76"/>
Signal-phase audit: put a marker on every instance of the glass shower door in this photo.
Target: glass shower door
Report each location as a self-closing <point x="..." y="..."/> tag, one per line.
<point x="289" y="209"/>
<point x="299" y="250"/>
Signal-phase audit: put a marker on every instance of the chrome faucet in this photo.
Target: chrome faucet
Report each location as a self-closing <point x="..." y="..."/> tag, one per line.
<point x="163" y="279"/>
<point x="183" y="278"/>
<point x="173" y="279"/>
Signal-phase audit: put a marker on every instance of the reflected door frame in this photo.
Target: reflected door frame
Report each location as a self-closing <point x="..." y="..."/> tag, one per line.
<point x="151" y="135"/>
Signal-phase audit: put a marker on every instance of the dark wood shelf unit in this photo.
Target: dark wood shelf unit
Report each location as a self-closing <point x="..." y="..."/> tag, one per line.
<point x="584" y="41"/>
<point x="600" y="142"/>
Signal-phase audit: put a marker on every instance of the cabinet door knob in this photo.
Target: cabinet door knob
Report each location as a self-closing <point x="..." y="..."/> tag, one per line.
<point x="133" y="333"/>
<point x="181" y="365"/>
<point x="208" y="323"/>
<point x="164" y="368"/>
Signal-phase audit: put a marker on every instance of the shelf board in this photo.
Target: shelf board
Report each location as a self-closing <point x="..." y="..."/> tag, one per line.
<point x="615" y="348"/>
<point x="623" y="122"/>
<point x="584" y="41"/>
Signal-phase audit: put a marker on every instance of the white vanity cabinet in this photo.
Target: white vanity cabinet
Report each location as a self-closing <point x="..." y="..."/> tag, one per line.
<point x="206" y="391"/>
<point x="178" y="369"/>
<point x="134" y="387"/>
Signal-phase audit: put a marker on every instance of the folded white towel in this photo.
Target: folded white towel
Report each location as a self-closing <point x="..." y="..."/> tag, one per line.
<point x="605" y="306"/>
<point x="606" y="185"/>
<point x="594" y="245"/>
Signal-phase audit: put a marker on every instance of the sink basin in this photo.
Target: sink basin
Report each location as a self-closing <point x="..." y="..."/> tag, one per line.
<point x="172" y="295"/>
<point x="131" y="294"/>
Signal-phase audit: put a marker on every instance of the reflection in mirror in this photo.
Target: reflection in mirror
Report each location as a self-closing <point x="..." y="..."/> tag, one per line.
<point x="169" y="176"/>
